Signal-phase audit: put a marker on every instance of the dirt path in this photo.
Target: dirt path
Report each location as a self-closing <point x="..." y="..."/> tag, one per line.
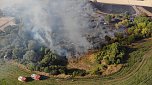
<point x="142" y="9"/>
<point x="136" y="10"/>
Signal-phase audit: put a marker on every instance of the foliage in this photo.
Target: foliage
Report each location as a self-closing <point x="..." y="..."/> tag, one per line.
<point x="123" y="23"/>
<point x="108" y="18"/>
<point x="76" y="72"/>
<point x="18" y="44"/>
<point x="37" y="57"/>
<point x="139" y="28"/>
<point x="112" y="53"/>
<point x="3" y="82"/>
<point x="30" y="56"/>
<point x="142" y="26"/>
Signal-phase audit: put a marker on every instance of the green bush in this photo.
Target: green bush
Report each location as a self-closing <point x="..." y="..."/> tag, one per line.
<point x="54" y="72"/>
<point x="46" y="69"/>
<point x="111" y="53"/>
<point x="79" y="73"/>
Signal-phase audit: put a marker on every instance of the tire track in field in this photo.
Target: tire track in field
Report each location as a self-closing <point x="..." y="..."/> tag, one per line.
<point x="141" y="65"/>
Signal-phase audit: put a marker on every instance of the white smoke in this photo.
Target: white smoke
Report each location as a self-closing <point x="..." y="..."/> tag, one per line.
<point x="53" y="22"/>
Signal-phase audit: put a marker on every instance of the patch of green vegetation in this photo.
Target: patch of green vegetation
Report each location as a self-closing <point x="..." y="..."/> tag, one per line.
<point x="111" y="54"/>
<point x="142" y="76"/>
<point x="137" y="70"/>
<point x="10" y="73"/>
<point x="36" y="57"/>
<point x="18" y="45"/>
<point x="135" y="55"/>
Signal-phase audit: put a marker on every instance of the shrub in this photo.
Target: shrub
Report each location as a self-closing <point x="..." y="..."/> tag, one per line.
<point x="79" y="73"/>
<point x="54" y="72"/>
<point x="46" y="69"/>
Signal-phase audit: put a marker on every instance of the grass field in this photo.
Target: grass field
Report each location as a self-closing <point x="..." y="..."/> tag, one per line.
<point x="138" y="71"/>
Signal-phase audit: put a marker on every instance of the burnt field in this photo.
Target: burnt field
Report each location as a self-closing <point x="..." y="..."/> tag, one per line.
<point x="148" y="8"/>
<point x="114" y="9"/>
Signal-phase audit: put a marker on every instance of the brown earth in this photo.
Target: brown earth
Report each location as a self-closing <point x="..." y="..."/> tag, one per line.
<point x="88" y="63"/>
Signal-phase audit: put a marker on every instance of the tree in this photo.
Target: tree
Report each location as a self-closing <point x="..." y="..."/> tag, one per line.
<point x="17" y="53"/>
<point x="37" y="68"/>
<point x="30" y="56"/>
<point x="137" y="31"/>
<point x="108" y="18"/>
<point x="141" y="25"/>
<point x="32" y="45"/>
<point x="131" y="38"/>
<point x="119" y="36"/>
<point x="118" y="61"/>
<point x="130" y="30"/>
<point x="140" y="19"/>
<point x="54" y="72"/>
<point x="31" y="66"/>
<point x="146" y="32"/>
<point x="123" y="23"/>
<point x="117" y="26"/>
<point x="48" y="59"/>
<point x="111" y="53"/>
<point x="108" y="39"/>
<point x="106" y="60"/>
<point x="126" y="15"/>
<point x="46" y="69"/>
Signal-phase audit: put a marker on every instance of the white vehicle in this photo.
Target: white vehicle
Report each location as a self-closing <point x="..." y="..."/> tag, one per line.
<point x="35" y="77"/>
<point x="22" y="79"/>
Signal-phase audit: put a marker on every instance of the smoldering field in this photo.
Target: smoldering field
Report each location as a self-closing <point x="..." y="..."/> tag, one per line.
<point x="64" y="26"/>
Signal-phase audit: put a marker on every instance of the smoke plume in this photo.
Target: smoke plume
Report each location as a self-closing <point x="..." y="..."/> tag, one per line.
<point x="58" y="24"/>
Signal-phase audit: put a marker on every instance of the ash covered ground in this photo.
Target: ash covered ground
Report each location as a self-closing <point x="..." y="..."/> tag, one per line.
<point x="114" y="9"/>
<point x="66" y="31"/>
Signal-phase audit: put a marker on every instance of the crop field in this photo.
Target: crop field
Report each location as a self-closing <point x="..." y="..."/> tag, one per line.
<point x="137" y="71"/>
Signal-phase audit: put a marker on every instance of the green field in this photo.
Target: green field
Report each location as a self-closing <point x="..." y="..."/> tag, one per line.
<point x="137" y="71"/>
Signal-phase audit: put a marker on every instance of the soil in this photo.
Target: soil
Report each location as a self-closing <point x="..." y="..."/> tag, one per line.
<point x="112" y="69"/>
<point x="114" y="9"/>
<point x="87" y="63"/>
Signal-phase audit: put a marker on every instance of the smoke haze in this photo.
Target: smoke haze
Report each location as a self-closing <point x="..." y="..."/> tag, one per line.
<point x="58" y="24"/>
